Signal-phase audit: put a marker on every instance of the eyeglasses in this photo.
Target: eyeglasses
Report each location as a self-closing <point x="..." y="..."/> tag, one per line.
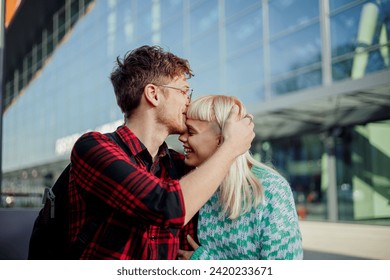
<point x="185" y="91"/>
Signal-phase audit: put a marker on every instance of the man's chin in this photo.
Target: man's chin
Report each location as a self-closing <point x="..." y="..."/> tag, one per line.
<point x="179" y="130"/>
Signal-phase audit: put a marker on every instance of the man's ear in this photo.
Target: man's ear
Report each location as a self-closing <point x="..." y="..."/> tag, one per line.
<point x="151" y="94"/>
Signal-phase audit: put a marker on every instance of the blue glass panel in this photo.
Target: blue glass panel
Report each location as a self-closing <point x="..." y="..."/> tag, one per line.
<point x="298" y="82"/>
<point x="206" y="80"/>
<point x="284" y="15"/>
<point x="172" y="36"/>
<point x="233" y="7"/>
<point x="204" y="17"/>
<point x="335" y="4"/>
<point x="144" y="5"/>
<point x="124" y="31"/>
<point x="144" y="19"/>
<point x="341" y="70"/>
<point x="296" y="50"/>
<point x="204" y="50"/>
<point x="343" y="30"/>
<point x="346" y="36"/>
<point x="244" y="32"/>
<point x="245" y="69"/>
<point x="171" y="9"/>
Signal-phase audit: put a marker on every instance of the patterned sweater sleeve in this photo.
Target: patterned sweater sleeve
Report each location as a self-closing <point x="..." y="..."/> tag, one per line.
<point x="202" y="254"/>
<point x="280" y="233"/>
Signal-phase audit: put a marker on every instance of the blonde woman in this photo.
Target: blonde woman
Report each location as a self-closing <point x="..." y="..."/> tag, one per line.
<point x="252" y="215"/>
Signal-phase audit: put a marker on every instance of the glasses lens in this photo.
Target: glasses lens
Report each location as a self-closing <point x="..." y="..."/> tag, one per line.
<point x="190" y="91"/>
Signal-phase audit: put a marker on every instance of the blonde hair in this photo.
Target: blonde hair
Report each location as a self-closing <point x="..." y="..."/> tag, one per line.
<point x="240" y="190"/>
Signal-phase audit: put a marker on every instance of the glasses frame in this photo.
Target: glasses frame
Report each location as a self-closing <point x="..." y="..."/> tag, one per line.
<point x="188" y="91"/>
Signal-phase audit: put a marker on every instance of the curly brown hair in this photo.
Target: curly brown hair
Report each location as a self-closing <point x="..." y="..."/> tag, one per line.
<point x="142" y="66"/>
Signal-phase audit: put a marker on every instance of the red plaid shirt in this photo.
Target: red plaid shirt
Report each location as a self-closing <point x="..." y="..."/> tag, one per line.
<point x="138" y="209"/>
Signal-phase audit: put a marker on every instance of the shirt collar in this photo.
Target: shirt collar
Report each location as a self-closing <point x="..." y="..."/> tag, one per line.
<point x="135" y="145"/>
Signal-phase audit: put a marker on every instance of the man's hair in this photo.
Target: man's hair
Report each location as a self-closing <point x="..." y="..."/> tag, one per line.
<point x="142" y="66"/>
<point x="241" y="189"/>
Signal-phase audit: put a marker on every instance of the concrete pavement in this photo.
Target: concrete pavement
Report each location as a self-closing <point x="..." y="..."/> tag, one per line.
<point x="321" y="240"/>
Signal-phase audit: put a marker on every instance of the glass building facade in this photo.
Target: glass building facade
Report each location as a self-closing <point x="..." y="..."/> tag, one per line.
<point x="314" y="73"/>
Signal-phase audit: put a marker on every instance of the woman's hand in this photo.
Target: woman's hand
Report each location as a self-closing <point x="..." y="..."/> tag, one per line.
<point x="186" y="255"/>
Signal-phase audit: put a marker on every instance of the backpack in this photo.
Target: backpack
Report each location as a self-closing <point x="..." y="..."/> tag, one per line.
<point x="49" y="237"/>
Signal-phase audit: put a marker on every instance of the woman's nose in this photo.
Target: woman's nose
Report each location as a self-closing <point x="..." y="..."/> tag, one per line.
<point x="183" y="137"/>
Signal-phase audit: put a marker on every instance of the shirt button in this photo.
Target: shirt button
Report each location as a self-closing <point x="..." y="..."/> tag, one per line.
<point x="153" y="237"/>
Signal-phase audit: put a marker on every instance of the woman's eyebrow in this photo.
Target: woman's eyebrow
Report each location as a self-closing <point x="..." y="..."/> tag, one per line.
<point x="190" y="127"/>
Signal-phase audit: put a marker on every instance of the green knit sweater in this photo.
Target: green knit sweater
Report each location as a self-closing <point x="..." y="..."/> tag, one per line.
<point x="269" y="231"/>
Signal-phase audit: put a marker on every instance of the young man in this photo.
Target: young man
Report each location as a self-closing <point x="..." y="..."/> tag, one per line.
<point x="134" y="207"/>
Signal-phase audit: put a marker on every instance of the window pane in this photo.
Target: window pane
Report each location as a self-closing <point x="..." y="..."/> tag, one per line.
<point x="204" y="17"/>
<point x="297" y="82"/>
<point x="335" y="4"/>
<point x="171" y="9"/>
<point x="172" y="36"/>
<point x="207" y="81"/>
<point x="284" y="15"/>
<point x="296" y="50"/>
<point x="244" y="32"/>
<point x="144" y="19"/>
<point x="344" y="28"/>
<point x="245" y="69"/>
<point x="300" y="161"/>
<point x="363" y="174"/>
<point x="205" y="50"/>
<point x="233" y="7"/>
<point x="359" y="40"/>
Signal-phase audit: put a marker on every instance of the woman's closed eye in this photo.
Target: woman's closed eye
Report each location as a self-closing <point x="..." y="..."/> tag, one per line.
<point x="190" y="132"/>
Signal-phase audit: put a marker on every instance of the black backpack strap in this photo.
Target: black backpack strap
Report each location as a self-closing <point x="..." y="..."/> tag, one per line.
<point x="115" y="137"/>
<point x="50" y="195"/>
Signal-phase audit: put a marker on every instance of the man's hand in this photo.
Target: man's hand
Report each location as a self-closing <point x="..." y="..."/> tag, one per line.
<point x="238" y="132"/>
<point x="186" y="255"/>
